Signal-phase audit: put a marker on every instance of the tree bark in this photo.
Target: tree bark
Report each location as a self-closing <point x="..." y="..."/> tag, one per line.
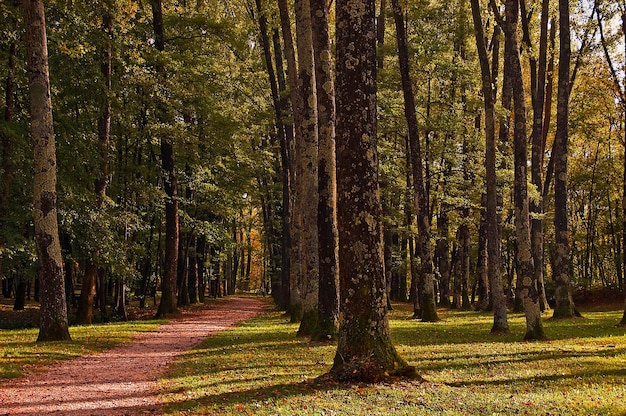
<point x="494" y="256"/>
<point x="364" y="350"/>
<point x="328" y="239"/>
<point x="564" y="304"/>
<point x="527" y="283"/>
<point x="307" y="169"/>
<point x="422" y="210"/>
<point x="53" y="324"/>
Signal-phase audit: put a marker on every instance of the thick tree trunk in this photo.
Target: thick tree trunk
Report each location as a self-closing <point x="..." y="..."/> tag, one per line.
<point x="527" y="284"/>
<point x="564" y="304"/>
<point x="494" y="257"/>
<point x="328" y="239"/>
<point x="307" y="170"/>
<point x="167" y="305"/>
<point x="364" y="350"/>
<point x="53" y="324"/>
<point x="422" y="209"/>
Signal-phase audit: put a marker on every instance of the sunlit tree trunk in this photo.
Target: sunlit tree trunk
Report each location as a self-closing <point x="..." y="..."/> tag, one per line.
<point x="364" y="350"/>
<point x="53" y="324"/>
<point x="527" y="284"/>
<point x="328" y="299"/>
<point x="307" y="161"/>
<point x="494" y="257"/>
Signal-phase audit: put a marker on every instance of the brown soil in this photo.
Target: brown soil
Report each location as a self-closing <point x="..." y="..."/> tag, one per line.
<point x="122" y="380"/>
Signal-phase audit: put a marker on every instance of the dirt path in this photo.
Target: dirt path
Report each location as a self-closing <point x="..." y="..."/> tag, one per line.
<point x="120" y="381"/>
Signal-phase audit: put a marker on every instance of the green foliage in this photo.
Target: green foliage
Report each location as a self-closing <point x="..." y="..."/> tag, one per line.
<point x="260" y="368"/>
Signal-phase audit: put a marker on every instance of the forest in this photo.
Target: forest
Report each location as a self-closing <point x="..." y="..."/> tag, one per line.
<point x="466" y="155"/>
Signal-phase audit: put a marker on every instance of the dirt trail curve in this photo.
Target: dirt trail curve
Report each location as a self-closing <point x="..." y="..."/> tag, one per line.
<point x="122" y="380"/>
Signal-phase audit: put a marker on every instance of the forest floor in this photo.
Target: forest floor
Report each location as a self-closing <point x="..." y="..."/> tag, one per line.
<point x="122" y="380"/>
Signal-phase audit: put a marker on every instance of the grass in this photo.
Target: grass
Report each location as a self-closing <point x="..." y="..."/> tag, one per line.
<point x="19" y="351"/>
<point x="261" y="368"/>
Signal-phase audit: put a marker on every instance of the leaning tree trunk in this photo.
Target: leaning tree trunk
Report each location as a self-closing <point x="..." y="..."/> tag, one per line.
<point x="527" y="283"/>
<point x="564" y="304"/>
<point x="53" y="324"/>
<point x="364" y="350"/>
<point x="328" y="239"/>
<point x="167" y="306"/>
<point x="494" y="256"/>
<point x="426" y="283"/>
<point x="307" y="169"/>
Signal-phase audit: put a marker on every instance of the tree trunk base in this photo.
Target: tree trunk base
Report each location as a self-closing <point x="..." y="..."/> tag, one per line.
<point x="370" y="371"/>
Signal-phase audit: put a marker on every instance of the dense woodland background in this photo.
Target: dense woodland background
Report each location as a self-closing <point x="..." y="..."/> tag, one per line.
<point x="205" y="101"/>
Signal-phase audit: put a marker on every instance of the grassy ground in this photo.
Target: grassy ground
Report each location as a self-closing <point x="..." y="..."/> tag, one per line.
<point x="19" y="351"/>
<point x="260" y="368"/>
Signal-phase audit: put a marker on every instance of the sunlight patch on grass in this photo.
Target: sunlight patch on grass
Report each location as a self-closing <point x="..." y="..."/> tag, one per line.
<point x="261" y="368"/>
<point x="19" y="351"/>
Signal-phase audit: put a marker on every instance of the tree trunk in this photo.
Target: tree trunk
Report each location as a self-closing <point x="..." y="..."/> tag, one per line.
<point x="84" y="315"/>
<point x="443" y="260"/>
<point x="307" y="170"/>
<point x="53" y="324"/>
<point x="364" y="350"/>
<point x="328" y="239"/>
<point x="527" y="283"/>
<point x="564" y="304"/>
<point x="295" y="304"/>
<point x="494" y="256"/>
<point x="167" y="305"/>
<point x="538" y="149"/>
<point x="422" y="211"/>
<point x="482" y="277"/>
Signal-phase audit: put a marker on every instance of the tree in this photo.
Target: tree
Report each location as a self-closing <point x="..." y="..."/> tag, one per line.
<point x="328" y="239"/>
<point x="53" y="325"/>
<point x="427" y="306"/>
<point x="167" y="306"/>
<point x="500" y="322"/>
<point x="527" y="282"/>
<point x="364" y="350"/>
<point x="564" y="306"/>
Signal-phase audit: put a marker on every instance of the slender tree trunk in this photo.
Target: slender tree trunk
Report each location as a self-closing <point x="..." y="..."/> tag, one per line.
<point x="328" y="299"/>
<point x="494" y="256"/>
<point x="364" y="350"/>
<point x="53" y="324"/>
<point x="167" y="306"/>
<point x="443" y="256"/>
<point x="422" y="209"/>
<point x="527" y="283"/>
<point x="5" y="140"/>
<point x="84" y="314"/>
<point x="282" y="294"/>
<point x="564" y="304"/>
<point x="482" y="277"/>
<point x="308" y="170"/>
<point x="538" y="149"/>
<point x="295" y="298"/>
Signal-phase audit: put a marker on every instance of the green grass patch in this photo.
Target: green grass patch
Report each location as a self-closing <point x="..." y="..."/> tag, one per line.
<point x="261" y="368"/>
<point x="19" y="351"/>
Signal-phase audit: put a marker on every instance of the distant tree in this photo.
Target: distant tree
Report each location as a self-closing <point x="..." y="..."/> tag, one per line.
<point x="364" y="350"/>
<point x="53" y="322"/>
